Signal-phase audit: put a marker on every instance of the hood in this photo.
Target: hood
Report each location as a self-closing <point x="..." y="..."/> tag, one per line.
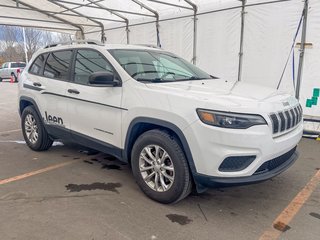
<point x="224" y="92"/>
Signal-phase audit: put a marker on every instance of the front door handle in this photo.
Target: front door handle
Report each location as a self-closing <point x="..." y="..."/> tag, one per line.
<point x="75" y="91"/>
<point x="37" y="84"/>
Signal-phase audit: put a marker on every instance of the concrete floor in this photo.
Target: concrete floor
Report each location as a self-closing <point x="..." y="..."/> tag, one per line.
<point x="96" y="197"/>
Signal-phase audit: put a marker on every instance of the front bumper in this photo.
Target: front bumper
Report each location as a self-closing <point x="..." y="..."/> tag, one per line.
<point x="285" y="161"/>
<point x="210" y="146"/>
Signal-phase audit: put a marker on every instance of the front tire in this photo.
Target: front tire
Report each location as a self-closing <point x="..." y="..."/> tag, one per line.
<point x="33" y="130"/>
<point x="160" y="167"/>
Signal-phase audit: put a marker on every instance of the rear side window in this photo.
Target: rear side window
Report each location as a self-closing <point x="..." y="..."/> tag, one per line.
<point x="18" y="65"/>
<point x="57" y="65"/>
<point x="37" y="64"/>
<point x="88" y="62"/>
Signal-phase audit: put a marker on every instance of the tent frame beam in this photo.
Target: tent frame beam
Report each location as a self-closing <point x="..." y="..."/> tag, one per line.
<point x="56" y="17"/>
<point x="103" y="38"/>
<point x="156" y="15"/>
<point x="39" y="27"/>
<point x="126" y="20"/>
<point x="96" y="7"/>
<point x="51" y="13"/>
<point x="74" y="8"/>
<point x="171" y="4"/>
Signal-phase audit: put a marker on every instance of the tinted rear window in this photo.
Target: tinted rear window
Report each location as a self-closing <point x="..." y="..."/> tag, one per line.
<point x="37" y="64"/>
<point x="18" y="65"/>
<point x="58" y="64"/>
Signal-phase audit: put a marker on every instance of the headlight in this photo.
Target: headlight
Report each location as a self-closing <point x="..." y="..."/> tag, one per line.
<point x="230" y="120"/>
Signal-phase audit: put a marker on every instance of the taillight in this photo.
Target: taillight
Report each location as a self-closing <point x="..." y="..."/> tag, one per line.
<point x="18" y="70"/>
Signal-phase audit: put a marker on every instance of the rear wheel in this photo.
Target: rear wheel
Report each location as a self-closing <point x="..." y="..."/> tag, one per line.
<point x="33" y="130"/>
<point x="160" y="167"/>
<point x="15" y="77"/>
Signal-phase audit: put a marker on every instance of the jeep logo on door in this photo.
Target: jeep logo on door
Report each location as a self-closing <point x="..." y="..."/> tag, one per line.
<point x="53" y="119"/>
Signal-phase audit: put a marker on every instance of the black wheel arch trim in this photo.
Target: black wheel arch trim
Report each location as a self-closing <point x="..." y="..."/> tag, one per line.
<point x="165" y="124"/>
<point x="28" y="99"/>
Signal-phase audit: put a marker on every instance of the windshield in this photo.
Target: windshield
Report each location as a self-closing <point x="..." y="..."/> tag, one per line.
<point x="157" y="66"/>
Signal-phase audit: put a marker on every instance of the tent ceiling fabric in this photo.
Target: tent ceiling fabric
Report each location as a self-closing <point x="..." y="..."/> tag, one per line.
<point x="93" y="15"/>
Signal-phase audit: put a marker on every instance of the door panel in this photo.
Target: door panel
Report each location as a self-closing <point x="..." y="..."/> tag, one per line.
<point x="54" y="82"/>
<point x="96" y="111"/>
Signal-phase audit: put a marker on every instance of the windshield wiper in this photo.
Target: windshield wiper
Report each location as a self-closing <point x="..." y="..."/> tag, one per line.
<point x="214" y="77"/>
<point x="153" y="80"/>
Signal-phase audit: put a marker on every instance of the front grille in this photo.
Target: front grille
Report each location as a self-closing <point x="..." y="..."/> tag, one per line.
<point x="285" y="120"/>
<point x="276" y="162"/>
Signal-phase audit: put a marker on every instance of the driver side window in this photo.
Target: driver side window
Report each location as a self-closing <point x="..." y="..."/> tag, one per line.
<point x="88" y="62"/>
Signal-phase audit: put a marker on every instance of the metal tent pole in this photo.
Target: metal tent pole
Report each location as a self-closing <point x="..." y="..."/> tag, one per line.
<point x="156" y="15"/>
<point x="126" y="20"/>
<point x="127" y="31"/>
<point x="302" y="48"/>
<point x="195" y="30"/>
<point x="241" y="39"/>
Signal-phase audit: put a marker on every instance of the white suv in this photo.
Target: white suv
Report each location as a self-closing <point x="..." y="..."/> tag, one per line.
<point x="176" y="125"/>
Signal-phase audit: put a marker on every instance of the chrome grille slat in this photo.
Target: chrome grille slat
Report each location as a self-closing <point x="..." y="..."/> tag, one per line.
<point x="296" y="114"/>
<point x="287" y="119"/>
<point x="283" y="121"/>
<point x="292" y="113"/>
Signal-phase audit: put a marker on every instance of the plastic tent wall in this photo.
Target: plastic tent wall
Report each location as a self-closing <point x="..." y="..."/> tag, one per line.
<point x="270" y="26"/>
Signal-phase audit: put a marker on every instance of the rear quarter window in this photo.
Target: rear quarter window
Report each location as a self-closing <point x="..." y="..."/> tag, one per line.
<point x="58" y="64"/>
<point x="38" y="64"/>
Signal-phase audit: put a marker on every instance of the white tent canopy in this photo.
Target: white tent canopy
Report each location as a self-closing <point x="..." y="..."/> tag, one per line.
<point x="207" y="32"/>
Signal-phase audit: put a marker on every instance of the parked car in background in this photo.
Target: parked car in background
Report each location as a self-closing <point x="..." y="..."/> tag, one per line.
<point x="9" y="69"/>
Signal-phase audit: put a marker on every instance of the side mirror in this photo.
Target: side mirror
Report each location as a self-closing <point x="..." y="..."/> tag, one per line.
<point x="103" y="79"/>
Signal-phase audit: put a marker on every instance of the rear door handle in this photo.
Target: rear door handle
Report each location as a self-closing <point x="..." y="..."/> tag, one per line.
<point x="75" y="91"/>
<point x="37" y="84"/>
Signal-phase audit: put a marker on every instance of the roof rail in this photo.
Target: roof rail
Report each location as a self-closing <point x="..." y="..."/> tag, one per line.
<point x="148" y="45"/>
<point x="94" y="42"/>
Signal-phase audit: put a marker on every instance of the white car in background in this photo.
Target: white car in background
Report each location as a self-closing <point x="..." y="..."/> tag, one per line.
<point x="11" y="69"/>
<point x="177" y="126"/>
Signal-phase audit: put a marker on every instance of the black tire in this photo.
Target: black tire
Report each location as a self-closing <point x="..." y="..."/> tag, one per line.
<point x="181" y="185"/>
<point x="15" y="77"/>
<point x="0" y="79"/>
<point x="43" y="142"/>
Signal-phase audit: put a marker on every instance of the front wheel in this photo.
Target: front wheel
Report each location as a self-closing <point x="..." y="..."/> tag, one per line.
<point x="33" y="130"/>
<point x="160" y="167"/>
